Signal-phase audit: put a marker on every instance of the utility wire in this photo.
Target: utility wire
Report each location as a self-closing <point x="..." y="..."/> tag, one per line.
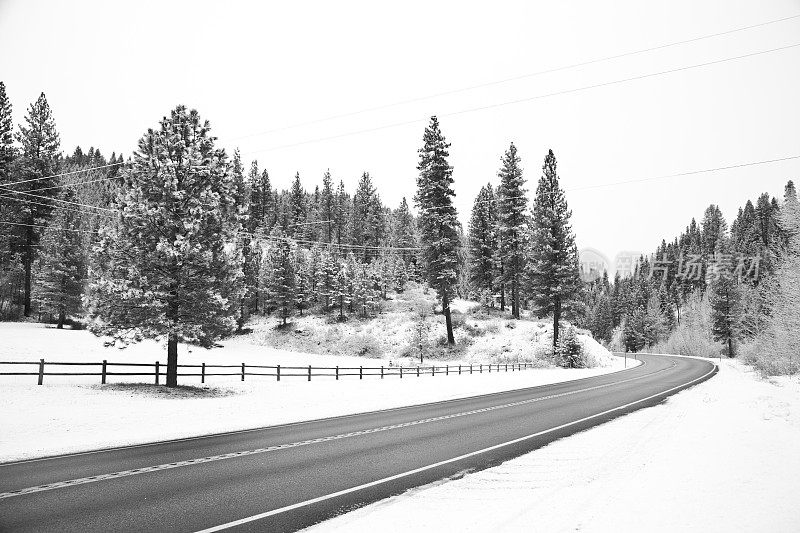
<point x="525" y="100"/>
<point x="515" y="78"/>
<point x="463" y="111"/>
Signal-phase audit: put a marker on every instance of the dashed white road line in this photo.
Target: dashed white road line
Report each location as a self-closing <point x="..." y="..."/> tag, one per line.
<point x="233" y="455"/>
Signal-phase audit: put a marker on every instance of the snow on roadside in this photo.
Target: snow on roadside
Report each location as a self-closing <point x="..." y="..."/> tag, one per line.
<point x="721" y="456"/>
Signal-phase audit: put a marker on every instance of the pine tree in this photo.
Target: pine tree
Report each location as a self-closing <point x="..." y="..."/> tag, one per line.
<point x="438" y="219"/>
<point x="404" y="232"/>
<point x="366" y="220"/>
<point x="7" y="155"/>
<point x="302" y="294"/>
<point x="483" y="250"/>
<point x="341" y="288"/>
<point x="297" y="210"/>
<point x="512" y="224"/>
<point x="282" y="285"/>
<point x="327" y="204"/>
<point x="326" y="278"/>
<point x="726" y="312"/>
<point x="242" y="195"/>
<point x="38" y="159"/>
<point x="163" y="267"/>
<point x="553" y="260"/>
<point x="61" y="267"/>
<point x="341" y="213"/>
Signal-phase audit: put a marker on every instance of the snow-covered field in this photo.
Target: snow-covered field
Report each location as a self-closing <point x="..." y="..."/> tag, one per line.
<point x="69" y="414"/>
<point x="722" y="456"/>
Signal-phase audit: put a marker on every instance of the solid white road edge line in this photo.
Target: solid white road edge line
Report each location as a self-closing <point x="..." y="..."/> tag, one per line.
<point x="312" y="501"/>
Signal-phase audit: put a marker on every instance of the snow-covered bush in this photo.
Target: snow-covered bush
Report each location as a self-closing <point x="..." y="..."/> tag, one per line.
<point x="570" y="352"/>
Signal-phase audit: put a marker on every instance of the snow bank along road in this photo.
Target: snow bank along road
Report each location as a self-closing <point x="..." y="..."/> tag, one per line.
<point x="283" y="478"/>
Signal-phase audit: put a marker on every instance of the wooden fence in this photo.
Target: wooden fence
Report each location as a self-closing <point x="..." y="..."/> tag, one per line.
<point x="203" y="370"/>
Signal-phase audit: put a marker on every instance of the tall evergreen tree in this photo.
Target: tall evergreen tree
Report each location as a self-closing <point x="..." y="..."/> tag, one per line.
<point x="7" y="154"/>
<point x="163" y="267"/>
<point x="341" y="214"/>
<point x="726" y="312"/>
<point x="61" y="267"/>
<point x="297" y="210"/>
<point x="512" y="224"/>
<point x="366" y="220"/>
<point x="404" y="234"/>
<point x="483" y="249"/>
<point x="553" y="260"/>
<point x="327" y="203"/>
<point x="38" y="160"/>
<point x="438" y="219"/>
<point x="282" y="286"/>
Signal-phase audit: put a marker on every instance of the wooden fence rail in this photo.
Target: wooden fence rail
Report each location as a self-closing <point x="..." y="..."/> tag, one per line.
<point x="242" y="370"/>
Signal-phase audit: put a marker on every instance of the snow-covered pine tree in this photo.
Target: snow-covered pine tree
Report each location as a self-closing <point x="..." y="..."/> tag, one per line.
<point x="163" y="266"/>
<point x="438" y="221"/>
<point x="38" y="158"/>
<point x="269" y="214"/>
<point x="399" y="275"/>
<point x="7" y="155"/>
<point x="367" y="218"/>
<point x="244" y="242"/>
<point x="404" y="236"/>
<point x="298" y="210"/>
<point x="326" y="278"/>
<point x="553" y="273"/>
<point x="61" y="267"/>
<point x="327" y="204"/>
<point x="512" y="223"/>
<point x="302" y="293"/>
<point x="283" y="280"/>
<point x="726" y="312"/>
<point x="483" y="252"/>
<point x="341" y="214"/>
<point x="341" y="287"/>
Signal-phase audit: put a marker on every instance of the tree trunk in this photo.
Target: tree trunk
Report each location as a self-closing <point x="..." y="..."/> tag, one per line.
<point x="28" y="264"/>
<point x="514" y="298"/>
<point x="172" y="360"/>
<point x="61" y="318"/>
<point x="446" y="310"/>
<point x="556" y="319"/>
<point x="730" y="347"/>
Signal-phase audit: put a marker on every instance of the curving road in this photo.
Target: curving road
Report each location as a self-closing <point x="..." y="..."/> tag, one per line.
<point x="284" y="478"/>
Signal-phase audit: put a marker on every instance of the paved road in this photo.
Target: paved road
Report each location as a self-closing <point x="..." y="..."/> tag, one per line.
<point x="283" y="478"/>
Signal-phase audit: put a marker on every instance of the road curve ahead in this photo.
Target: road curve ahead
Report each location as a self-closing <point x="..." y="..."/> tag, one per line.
<point x="284" y="478"/>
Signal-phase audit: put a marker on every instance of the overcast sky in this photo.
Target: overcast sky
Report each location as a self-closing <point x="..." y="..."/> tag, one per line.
<point x="112" y="69"/>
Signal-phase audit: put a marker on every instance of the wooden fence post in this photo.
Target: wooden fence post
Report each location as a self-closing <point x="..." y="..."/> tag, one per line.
<point x="381" y="371"/>
<point x="401" y="371"/>
<point x="417" y="371"/>
<point x="433" y="370"/>
<point x="203" y="373"/>
<point x="480" y="369"/>
<point x="337" y="372"/>
<point x="309" y="372"/>
<point x="103" y="378"/>
<point x="470" y="368"/>
<point x="490" y="368"/>
<point x="459" y="370"/>
<point x="157" y="372"/>
<point x="446" y="370"/>
<point x="278" y="372"/>
<point x="360" y="372"/>
<point x="242" y="371"/>
<point x="41" y="371"/>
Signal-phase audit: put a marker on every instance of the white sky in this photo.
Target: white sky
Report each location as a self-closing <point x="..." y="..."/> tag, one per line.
<point x="112" y="69"/>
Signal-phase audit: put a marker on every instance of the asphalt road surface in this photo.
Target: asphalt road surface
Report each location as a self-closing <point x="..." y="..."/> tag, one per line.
<point x="284" y="478"/>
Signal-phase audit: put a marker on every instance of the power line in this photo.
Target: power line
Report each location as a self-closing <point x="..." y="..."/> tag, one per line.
<point x="526" y="99"/>
<point x="463" y="111"/>
<point x="654" y="178"/>
<point x="515" y="78"/>
<point x="45" y="227"/>
<point x="64" y="174"/>
<point x="56" y="200"/>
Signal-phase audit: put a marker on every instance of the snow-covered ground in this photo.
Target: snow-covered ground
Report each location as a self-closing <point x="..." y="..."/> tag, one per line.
<point x="75" y="413"/>
<point x="722" y="456"/>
